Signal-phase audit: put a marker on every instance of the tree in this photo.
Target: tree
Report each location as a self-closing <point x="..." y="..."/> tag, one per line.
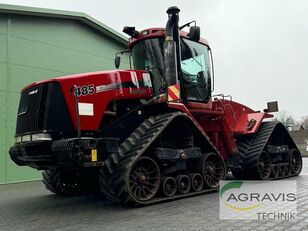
<point x="285" y="118"/>
<point x="304" y="121"/>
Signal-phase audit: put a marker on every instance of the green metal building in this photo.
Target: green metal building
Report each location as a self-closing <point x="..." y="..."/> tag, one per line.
<point x="37" y="44"/>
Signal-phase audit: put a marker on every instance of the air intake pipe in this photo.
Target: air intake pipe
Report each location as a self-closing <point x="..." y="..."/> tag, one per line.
<point x="170" y="57"/>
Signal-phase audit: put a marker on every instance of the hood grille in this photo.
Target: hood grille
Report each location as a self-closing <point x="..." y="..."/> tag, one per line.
<point x="31" y="107"/>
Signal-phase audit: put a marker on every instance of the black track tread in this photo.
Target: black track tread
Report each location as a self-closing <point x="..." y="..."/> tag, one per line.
<point x="113" y="180"/>
<point x="51" y="181"/>
<point x="251" y="148"/>
<point x="243" y="146"/>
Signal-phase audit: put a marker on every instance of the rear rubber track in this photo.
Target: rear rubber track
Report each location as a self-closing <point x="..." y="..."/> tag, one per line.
<point x="251" y="148"/>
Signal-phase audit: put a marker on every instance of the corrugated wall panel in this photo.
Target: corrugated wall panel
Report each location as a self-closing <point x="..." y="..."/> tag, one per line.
<point x="3" y="78"/>
<point x="41" y="48"/>
<point x="3" y="45"/>
<point x="3" y="150"/>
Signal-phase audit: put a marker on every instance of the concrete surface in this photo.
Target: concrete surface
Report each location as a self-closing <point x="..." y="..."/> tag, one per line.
<point x="28" y="206"/>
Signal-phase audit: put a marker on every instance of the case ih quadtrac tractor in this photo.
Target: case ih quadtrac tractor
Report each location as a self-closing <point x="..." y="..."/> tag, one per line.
<point x="151" y="133"/>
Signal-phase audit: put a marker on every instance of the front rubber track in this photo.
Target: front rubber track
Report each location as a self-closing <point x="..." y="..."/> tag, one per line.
<point x="115" y="174"/>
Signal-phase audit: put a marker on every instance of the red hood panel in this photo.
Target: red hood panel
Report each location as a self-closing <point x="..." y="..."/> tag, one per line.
<point x="97" y="89"/>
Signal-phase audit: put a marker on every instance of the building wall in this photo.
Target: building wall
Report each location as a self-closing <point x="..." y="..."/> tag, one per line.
<point x="301" y="140"/>
<point x="36" y="48"/>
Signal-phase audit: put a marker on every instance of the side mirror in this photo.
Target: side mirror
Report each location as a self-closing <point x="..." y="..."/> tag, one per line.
<point x="194" y="33"/>
<point x="117" y="61"/>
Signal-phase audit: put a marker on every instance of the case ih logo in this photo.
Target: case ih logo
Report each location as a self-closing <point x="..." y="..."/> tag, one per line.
<point x="33" y="92"/>
<point x="258" y="200"/>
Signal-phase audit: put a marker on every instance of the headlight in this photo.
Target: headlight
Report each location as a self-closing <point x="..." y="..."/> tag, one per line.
<point x="26" y="138"/>
<point x="41" y="136"/>
<point x="18" y="139"/>
<point x="33" y="137"/>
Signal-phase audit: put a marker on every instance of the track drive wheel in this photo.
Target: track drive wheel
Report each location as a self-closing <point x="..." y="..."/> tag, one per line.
<point x="213" y="170"/>
<point x="295" y="161"/>
<point x="144" y="179"/>
<point x="63" y="182"/>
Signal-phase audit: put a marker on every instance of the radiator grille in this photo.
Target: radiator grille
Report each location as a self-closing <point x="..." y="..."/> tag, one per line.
<point x="31" y="107"/>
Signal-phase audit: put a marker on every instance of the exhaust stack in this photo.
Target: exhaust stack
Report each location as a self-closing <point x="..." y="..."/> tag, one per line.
<point x="171" y="71"/>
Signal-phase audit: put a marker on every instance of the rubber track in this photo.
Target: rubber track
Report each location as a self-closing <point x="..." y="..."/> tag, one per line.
<point x="50" y="179"/>
<point x="114" y="175"/>
<point x="251" y="148"/>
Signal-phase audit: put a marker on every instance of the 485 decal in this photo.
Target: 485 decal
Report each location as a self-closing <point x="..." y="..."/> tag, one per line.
<point x="84" y="90"/>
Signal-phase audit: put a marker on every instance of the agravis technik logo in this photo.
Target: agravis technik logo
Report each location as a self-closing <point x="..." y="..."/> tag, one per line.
<point x="258" y="200"/>
<point x="236" y="185"/>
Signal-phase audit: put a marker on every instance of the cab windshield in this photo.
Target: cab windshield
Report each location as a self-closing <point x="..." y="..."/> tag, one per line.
<point x="195" y="66"/>
<point x="148" y="55"/>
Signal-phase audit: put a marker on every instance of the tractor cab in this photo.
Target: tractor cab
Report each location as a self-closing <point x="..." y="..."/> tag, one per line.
<point x="188" y="60"/>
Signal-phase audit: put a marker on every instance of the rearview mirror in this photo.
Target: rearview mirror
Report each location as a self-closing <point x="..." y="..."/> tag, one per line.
<point x="194" y="33"/>
<point x="117" y="61"/>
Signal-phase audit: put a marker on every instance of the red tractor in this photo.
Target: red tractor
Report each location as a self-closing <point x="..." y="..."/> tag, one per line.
<point x="151" y="133"/>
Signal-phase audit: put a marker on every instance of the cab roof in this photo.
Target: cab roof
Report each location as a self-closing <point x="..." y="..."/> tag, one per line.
<point x="156" y="33"/>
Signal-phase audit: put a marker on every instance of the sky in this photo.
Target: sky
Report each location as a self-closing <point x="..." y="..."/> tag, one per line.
<point x="260" y="47"/>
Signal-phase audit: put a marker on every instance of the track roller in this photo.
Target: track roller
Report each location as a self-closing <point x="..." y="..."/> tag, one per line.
<point x="144" y="179"/>
<point x="282" y="170"/>
<point x="184" y="183"/>
<point x="288" y="169"/>
<point x="213" y="170"/>
<point x="169" y="186"/>
<point x="197" y="182"/>
<point x="274" y="170"/>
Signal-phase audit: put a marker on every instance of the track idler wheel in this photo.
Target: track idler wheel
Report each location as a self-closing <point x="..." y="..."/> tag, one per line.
<point x="275" y="170"/>
<point x="169" y="186"/>
<point x="213" y="170"/>
<point x="184" y="184"/>
<point x="144" y="179"/>
<point x="296" y="161"/>
<point x="197" y="182"/>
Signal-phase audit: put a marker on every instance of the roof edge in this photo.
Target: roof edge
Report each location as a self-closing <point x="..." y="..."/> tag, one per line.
<point x="52" y="13"/>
